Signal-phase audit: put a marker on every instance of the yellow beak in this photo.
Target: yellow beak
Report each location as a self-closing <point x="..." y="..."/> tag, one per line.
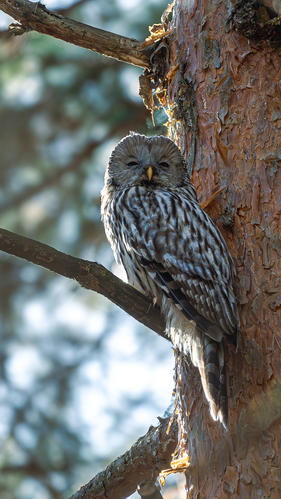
<point x="149" y="172"/>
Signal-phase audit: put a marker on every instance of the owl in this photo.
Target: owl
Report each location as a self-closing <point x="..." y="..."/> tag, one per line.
<point x="174" y="253"/>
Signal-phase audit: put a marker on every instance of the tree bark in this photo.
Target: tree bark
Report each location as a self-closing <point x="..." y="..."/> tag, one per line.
<point x="146" y="458"/>
<point x="222" y="93"/>
<point x="225" y="114"/>
<point x="89" y="275"/>
<point x="35" y="16"/>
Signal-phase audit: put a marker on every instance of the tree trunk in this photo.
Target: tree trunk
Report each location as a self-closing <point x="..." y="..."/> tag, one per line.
<point x="222" y="92"/>
<point x="225" y="114"/>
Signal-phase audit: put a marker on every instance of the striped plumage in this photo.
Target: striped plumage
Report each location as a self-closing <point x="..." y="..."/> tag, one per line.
<point x="172" y="251"/>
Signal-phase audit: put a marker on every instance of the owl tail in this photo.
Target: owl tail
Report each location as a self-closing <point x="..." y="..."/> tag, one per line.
<point x="210" y="361"/>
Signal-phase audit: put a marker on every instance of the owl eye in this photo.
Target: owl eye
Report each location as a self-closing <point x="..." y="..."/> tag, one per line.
<point x="132" y="163"/>
<point x="165" y="165"/>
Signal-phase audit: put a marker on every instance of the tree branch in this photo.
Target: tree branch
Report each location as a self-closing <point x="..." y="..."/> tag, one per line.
<point x="120" y="479"/>
<point x="89" y="275"/>
<point x="35" y="16"/>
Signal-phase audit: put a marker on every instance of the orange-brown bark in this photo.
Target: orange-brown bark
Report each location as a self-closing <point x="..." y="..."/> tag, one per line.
<point x="223" y="95"/>
<point x="225" y="113"/>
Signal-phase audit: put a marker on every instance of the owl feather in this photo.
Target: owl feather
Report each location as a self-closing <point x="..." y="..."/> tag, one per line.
<point x="171" y="250"/>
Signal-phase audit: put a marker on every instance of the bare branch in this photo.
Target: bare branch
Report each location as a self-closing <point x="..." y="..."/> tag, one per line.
<point x="35" y="16"/>
<point x="120" y="479"/>
<point x="89" y="275"/>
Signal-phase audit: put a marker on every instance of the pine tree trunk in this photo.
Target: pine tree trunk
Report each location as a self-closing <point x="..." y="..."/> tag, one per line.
<point x="223" y="94"/>
<point x="225" y="114"/>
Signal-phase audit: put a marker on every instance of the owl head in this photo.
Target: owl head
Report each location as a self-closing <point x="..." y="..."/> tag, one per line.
<point x="148" y="161"/>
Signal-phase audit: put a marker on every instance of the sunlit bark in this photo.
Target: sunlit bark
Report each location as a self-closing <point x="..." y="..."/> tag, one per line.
<point x="225" y="114"/>
<point x="146" y="458"/>
<point x="35" y="16"/>
<point x="222" y="93"/>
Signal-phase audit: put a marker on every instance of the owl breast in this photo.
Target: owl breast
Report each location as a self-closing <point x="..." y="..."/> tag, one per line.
<point x="168" y="228"/>
<point x="132" y="224"/>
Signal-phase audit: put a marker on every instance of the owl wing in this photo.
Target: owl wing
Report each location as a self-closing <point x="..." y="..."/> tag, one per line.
<point x="197" y="307"/>
<point x="185" y="254"/>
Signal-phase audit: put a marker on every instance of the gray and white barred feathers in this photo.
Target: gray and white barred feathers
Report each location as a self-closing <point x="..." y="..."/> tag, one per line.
<point x="172" y="251"/>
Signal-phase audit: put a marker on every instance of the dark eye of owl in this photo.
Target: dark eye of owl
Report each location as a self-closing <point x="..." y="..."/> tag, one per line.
<point x="132" y="163"/>
<point x="165" y="165"/>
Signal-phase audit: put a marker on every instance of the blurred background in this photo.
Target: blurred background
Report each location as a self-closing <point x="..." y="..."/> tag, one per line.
<point x="80" y="381"/>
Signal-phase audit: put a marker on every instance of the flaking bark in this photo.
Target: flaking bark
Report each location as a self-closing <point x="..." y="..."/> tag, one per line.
<point x="146" y="458"/>
<point x="236" y="94"/>
<point x="232" y="87"/>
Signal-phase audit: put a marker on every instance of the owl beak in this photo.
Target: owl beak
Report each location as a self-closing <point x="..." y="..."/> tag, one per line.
<point x="149" y="172"/>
